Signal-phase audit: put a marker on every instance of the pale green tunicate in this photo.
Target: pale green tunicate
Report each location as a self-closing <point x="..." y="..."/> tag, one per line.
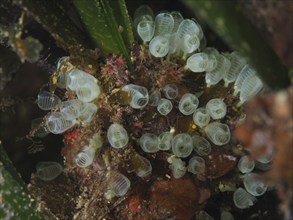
<point x="71" y="109"/>
<point x="159" y="46"/>
<point x="201" y="62"/>
<point x="242" y="199"/>
<point x="216" y="108"/>
<point x="170" y="91"/>
<point x="145" y="30"/>
<point x="143" y="13"/>
<point x="201" y="145"/>
<point x="86" y="157"/>
<point x="149" y="143"/>
<point x="117" y="185"/>
<point x="164" y="24"/>
<point x="254" y="184"/>
<point x="78" y="78"/>
<point x="139" y="95"/>
<point x="201" y="117"/>
<point x="196" y="165"/>
<point x="154" y="97"/>
<point x="48" y="170"/>
<point x="178" y="168"/>
<point x="245" y="72"/>
<point x="188" y="104"/>
<point x="245" y="164"/>
<point x="47" y="100"/>
<point x="165" y="141"/>
<point x="87" y="112"/>
<point x="218" y="133"/>
<point x="88" y="91"/>
<point x="182" y="145"/>
<point x="117" y="136"/>
<point x="56" y="123"/>
<point x="164" y="106"/>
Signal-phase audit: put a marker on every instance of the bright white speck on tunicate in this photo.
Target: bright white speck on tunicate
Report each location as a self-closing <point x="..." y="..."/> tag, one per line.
<point x="242" y="199"/>
<point x="165" y="141"/>
<point x="218" y="133"/>
<point x="164" y="106"/>
<point x="47" y="100"/>
<point x="117" y="185"/>
<point x="254" y="184"/>
<point x="245" y="164"/>
<point x="182" y="145"/>
<point x="201" y="117"/>
<point x="117" y="136"/>
<point x="196" y="165"/>
<point x="216" y="108"/>
<point x="188" y="104"/>
<point x="57" y="124"/>
<point x="139" y="95"/>
<point x="178" y="168"/>
<point x="149" y="143"/>
<point x="48" y="170"/>
<point x="201" y="145"/>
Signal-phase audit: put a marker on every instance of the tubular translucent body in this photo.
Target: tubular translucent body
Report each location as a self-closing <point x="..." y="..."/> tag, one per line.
<point x="78" y="78"/>
<point x="85" y="157"/>
<point x="62" y="80"/>
<point x="201" y="117"/>
<point x="222" y="67"/>
<point x="142" y="166"/>
<point x="177" y="20"/>
<point x="245" y="72"/>
<point x="143" y="13"/>
<point x="47" y="100"/>
<point x="188" y="104"/>
<point x="189" y="43"/>
<point x="159" y="46"/>
<point x="218" y="133"/>
<point x="243" y="199"/>
<point x="182" y="145"/>
<point x="237" y="63"/>
<point x="154" y="97"/>
<point x="139" y="95"/>
<point x="96" y="141"/>
<point x="254" y="185"/>
<point x="57" y="124"/>
<point x="164" y="106"/>
<point x="48" y="170"/>
<point x="145" y="30"/>
<point x="250" y="87"/>
<point x="149" y="143"/>
<point x="71" y="109"/>
<point x="117" y="183"/>
<point x="178" y="168"/>
<point x="165" y="141"/>
<point x="164" y="24"/>
<point x="117" y="136"/>
<point x="196" y="165"/>
<point x="170" y="91"/>
<point x="216" y="108"/>
<point x="201" y="62"/>
<point x="201" y="145"/>
<point x="245" y="164"/>
<point x="87" y="112"/>
<point x="88" y="92"/>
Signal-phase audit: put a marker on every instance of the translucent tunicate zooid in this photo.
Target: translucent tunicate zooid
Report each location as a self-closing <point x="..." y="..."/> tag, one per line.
<point x="201" y="145"/>
<point x="117" y="184"/>
<point x="216" y="108"/>
<point x="145" y="30"/>
<point x="170" y="91"/>
<point x="143" y="13"/>
<point x="245" y="72"/>
<point x="182" y="145"/>
<point x="165" y="141"/>
<point x="85" y="157"/>
<point x="196" y="165"/>
<point x="139" y="95"/>
<point x="188" y="104"/>
<point x="254" y="184"/>
<point x="218" y="133"/>
<point x="71" y="109"/>
<point x="245" y="164"/>
<point x="117" y="136"/>
<point x="149" y="143"/>
<point x="164" y="24"/>
<point x="201" y="117"/>
<point x="47" y="100"/>
<point x="56" y="123"/>
<point x="87" y="112"/>
<point x="200" y="62"/>
<point x="154" y="97"/>
<point x="141" y="165"/>
<point x="88" y="91"/>
<point x="159" y="46"/>
<point x="164" y="106"/>
<point x="178" y="168"/>
<point x="48" y="170"/>
<point x="242" y="199"/>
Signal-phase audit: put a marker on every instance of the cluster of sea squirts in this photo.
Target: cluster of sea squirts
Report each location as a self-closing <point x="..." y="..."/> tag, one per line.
<point x="172" y="107"/>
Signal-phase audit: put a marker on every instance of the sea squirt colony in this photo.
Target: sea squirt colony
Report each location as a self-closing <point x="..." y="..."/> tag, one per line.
<point x="165" y="35"/>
